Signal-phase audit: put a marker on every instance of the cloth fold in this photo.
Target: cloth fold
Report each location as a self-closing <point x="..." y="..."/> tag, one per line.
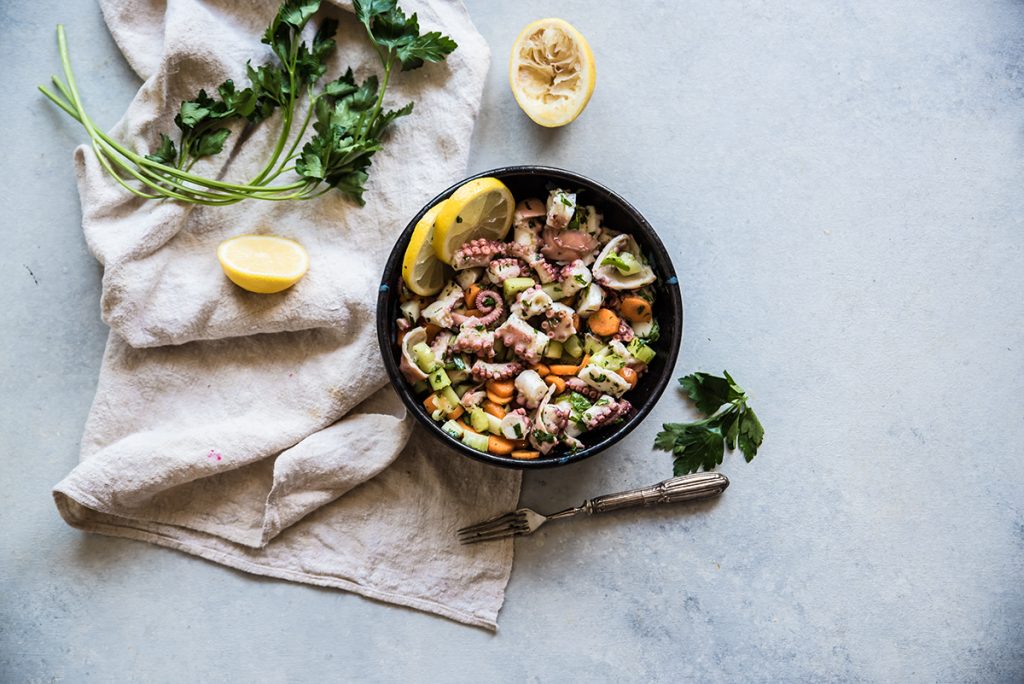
<point x="257" y="431"/>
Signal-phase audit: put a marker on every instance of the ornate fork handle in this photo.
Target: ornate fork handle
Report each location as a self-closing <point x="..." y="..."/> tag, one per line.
<point x="682" y="488"/>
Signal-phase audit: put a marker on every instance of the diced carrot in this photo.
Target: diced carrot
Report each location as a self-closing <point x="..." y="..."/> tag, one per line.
<point x="498" y="445"/>
<point x="583" y="362"/>
<point x="576" y="321"/>
<point x="558" y="382"/>
<point x="629" y="375"/>
<point x="465" y="427"/>
<point x="526" y="455"/>
<point x="635" y="309"/>
<point x="604" y="322"/>
<point x="542" y="369"/>
<point x="457" y="412"/>
<point x="563" y="369"/>
<point x="494" y="409"/>
<point x="500" y="401"/>
<point x="503" y="388"/>
<point x="432" y="331"/>
<point x="471" y="292"/>
<point x="474" y="313"/>
<point x="401" y="337"/>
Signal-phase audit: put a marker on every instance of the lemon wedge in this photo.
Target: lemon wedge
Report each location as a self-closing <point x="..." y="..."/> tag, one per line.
<point x="481" y="208"/>
<point x="263" y="263"/>
<point x="422" y="271"/>
<point x="552" y="72"/>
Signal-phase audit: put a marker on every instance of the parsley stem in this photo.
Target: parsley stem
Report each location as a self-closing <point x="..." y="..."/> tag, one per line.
<point x="289" y="110"/>
<point x="388" y="63"/>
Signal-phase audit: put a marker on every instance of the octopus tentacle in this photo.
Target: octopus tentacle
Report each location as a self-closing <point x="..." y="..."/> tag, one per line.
<point x="559" y="322"/>
<point x="600" y="414"/>
<point x="490" y="303"/>
<point x="625" y="333"/>
<point x="580" y="387"/>
<point x="475" y="341"/>
<point x="500" y="270"/>
<point x="524" y="340"/>
<point x="476" y="253"/>
<point x="482" y="370"/>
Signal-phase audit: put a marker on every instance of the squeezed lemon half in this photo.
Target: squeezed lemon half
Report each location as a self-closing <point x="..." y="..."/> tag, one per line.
<point x="481" y="208"/>
<point x="422" y="271"/>
<point x="552" y="72"/>
<point x="263" y="263"/>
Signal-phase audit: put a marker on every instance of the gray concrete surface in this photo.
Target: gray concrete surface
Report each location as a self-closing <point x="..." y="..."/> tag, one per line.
<point x="841" y="186"/>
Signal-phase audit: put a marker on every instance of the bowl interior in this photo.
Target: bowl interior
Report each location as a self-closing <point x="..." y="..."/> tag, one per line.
<point x="535" y="181"/>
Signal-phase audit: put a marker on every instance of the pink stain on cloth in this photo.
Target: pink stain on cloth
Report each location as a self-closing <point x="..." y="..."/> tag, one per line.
<point x="323" y="485"/>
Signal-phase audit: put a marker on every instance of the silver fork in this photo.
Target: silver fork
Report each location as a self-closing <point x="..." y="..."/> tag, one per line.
<point x="524" y="521"/>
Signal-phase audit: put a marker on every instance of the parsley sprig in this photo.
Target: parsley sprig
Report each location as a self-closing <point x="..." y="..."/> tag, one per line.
<point x="350" y="118"/>
<point x="730" y="423"/>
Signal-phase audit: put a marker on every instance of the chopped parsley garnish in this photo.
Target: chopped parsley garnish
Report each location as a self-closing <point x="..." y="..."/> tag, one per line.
<point x="730" y="423"/>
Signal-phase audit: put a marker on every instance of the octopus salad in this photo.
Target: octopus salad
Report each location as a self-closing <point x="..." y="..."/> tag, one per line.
<point x="536" y="339"/>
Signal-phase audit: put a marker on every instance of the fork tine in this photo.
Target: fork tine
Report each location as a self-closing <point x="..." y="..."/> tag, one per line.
<point x="494" y="522"/>
<point x="496" y="534"/>
<point x="516" y="524"/>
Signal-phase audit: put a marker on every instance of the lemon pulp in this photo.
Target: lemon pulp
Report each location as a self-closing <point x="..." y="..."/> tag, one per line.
<point x="552" y="72"/>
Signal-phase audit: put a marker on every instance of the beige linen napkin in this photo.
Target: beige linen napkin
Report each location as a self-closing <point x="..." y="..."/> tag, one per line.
<point x="253" y="430"/>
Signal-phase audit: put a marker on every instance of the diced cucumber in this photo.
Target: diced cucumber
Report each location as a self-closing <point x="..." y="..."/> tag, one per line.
<point x="421" y="387"/>
<point x="553" y="290"/>
<point x="640" y="351"/>
<point x="553" y="350"/>
<point x="478" y="419"/>
<point x="514" y="286"/>
<point x="450" y="398"/>
<point x="439" y="379"/>
<point x="611" y="361"/>
<point x="453" y="429"/>
<point x="461" y="389"/>
<point x="573" y="347"/>
<point x="475" y="441"/>
<point x="592" y="345"/>
<point x="424" y="357"/>
<point x="493" y="423"/>
<point x="457" y="376"/>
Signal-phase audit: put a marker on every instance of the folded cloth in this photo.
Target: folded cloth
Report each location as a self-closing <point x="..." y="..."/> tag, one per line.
<point x="257" y="431"/>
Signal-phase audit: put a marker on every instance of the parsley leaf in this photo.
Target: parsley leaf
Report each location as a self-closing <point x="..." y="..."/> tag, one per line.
<point x="730" y="423"/>
<point x="165" y="154"/>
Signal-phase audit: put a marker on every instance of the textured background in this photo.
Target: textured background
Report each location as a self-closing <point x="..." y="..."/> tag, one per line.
<point x="841" y="187"/>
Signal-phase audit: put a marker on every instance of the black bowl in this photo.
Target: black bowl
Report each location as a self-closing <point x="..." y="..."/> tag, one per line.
<point x="535" y="181"/>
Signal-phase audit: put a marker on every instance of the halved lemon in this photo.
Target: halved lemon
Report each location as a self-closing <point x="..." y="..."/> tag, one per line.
<point x="263" y="263"/>
<point x="422" y="271"/>
<point x="481" y="208"/>
<point x="552" y="72"/>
